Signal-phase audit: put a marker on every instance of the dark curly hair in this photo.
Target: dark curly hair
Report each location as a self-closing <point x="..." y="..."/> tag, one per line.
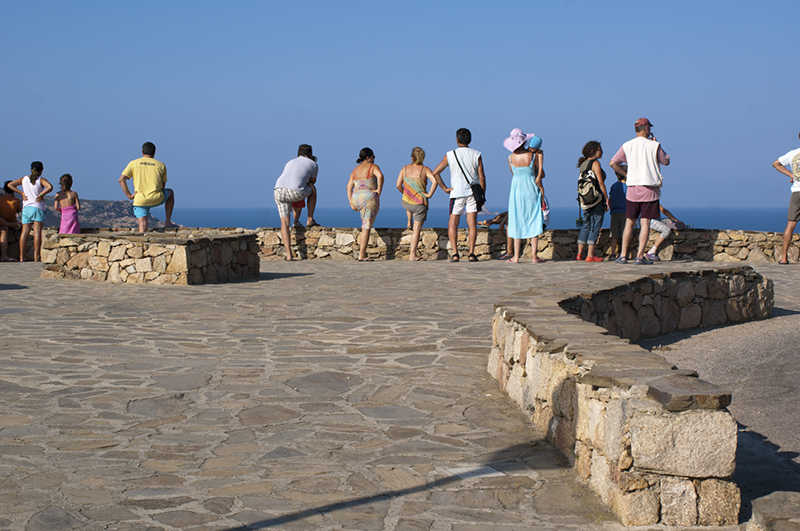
<point x="589" y="149"/>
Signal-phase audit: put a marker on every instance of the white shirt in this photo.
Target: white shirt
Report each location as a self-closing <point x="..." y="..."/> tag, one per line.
<point x="297" y="174"/>
<point x="468" y="158"/>
<point x="792" y="159"/>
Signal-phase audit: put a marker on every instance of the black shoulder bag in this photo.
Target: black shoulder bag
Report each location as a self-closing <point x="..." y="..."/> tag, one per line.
<point x="477" y="189"/>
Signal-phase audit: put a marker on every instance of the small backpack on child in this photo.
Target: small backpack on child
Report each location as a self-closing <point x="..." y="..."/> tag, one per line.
<point x="588" y="188"/>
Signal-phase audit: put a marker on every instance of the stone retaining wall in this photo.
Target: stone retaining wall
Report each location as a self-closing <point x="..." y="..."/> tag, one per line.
<point x="176" y="257"/>
<point x="656" y="443"/>
<point x="691" y="244"/>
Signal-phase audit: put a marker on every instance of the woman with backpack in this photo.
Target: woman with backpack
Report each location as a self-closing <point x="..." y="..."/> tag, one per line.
<point x="593" y="199"/>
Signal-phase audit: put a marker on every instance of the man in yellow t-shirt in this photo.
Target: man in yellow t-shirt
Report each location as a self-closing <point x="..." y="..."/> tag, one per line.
<point x="149" y="178"/>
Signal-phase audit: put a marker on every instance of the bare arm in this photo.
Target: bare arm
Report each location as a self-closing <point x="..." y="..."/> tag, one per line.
<point x="781" y="168"/>
<point x="77" y="201"/>
<point x="400" y="180"/>
<point x="379" y="175"/>
<point x="481" y="175"/>
<point x="13" y="186"/>
<point x="429" y="175"/>
<point x="438" y="177"/>
<point x="540" y="174"/>
<point x="350" y="184"/>
<point x="598" y="170"/>
<point x="123" y="182"/>
<point x="47" y="189"/>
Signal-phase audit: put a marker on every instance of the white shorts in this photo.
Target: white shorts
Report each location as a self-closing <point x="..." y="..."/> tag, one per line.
<point x="461" y="205"/>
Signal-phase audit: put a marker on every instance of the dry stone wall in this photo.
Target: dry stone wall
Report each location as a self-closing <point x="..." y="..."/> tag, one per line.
<point x="178" y="257"/>
<point x="692" y="244"/>
<point x="656" y="443"/>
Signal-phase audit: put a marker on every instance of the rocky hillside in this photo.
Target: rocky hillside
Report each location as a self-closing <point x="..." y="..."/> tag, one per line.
<point x="98" y="213"/>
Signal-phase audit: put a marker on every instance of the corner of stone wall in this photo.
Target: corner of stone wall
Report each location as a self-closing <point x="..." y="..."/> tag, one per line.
<point x="654" y="442"/>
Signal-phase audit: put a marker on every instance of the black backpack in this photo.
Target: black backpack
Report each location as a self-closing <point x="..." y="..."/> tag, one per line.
<point x="588" y="188"/>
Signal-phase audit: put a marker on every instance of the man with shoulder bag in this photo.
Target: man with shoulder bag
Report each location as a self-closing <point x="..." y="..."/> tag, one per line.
<point x="467" y="190"/>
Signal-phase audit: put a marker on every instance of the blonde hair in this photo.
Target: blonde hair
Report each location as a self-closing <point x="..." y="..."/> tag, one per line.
<point x="418" y="155"/>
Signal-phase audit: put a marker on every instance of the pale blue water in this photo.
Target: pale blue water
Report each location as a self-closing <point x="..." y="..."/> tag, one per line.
<point x="759" y="219"/>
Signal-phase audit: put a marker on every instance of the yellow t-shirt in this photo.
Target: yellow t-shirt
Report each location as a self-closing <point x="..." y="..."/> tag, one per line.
<point x="149" y="179"/>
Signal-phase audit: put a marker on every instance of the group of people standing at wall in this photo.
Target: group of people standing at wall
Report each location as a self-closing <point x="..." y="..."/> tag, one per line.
<point x="638" y="161"/>
<point x="33" y="188"/>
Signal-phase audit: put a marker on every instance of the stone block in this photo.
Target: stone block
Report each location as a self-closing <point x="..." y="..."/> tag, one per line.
<point x="719" y="502"/>
<point x="135" y="251"/>
<point x="690" y="317"/>
<point x="774" y="509"/>
<point x="695" y="444"/>
<point x="685" y="293"/>
<point x="98" y="263"/>
<point x="143" y="265"/>
<point x="103" y="249"/>
<point x="49" y="256"/>
<point x="637" y="508"/>
<point x="678" y="502"/>
<point x="79" y="261"/>
<point x="681" y="393"/>
<point x="178" y="264"/>
<point x="117" y="253"/>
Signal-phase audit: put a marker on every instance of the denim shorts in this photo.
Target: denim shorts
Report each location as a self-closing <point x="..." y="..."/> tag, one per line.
<point x="144" y="211"/>
<point x="31" y="214"/>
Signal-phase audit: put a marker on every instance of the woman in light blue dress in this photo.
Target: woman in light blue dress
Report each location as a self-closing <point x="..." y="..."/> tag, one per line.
<point x="525" y="196"/>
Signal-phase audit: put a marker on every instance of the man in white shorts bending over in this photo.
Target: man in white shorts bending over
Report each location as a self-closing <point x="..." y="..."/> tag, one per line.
<point x="295" y="184"/>
<point x="461" y="199"/>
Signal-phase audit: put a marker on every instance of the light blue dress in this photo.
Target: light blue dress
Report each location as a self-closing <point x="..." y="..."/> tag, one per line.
<point x="524" y="204"/>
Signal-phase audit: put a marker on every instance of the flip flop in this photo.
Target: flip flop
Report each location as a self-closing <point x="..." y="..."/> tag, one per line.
<point x="367" y="259"/>
<point x="510" y="261"/>
<point x="455" y="258"/>
<point x="783" y="263"/>
<point x="312" y="224"/>
<point x="504" y="256"/>
<point x="418" y="259"/>
<point x="537" y="261"/>
<point x="472" y="257"/>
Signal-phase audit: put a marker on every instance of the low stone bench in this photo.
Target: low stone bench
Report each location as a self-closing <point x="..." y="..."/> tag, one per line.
<point x="654" y="442"/>
<point x="175" y="257"/>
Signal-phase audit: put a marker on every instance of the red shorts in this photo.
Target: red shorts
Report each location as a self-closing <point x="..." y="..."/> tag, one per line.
<point x="299" y="204"/>
<point x="648" y="209"/>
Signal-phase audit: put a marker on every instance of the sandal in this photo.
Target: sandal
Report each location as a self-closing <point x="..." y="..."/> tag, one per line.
<point x="504" y="256"/>
<point x="472" y="257"/>
<point x="455" y="258"/>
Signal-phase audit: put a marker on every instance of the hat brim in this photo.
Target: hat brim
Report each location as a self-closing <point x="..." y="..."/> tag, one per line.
<point x="512" y="145"/>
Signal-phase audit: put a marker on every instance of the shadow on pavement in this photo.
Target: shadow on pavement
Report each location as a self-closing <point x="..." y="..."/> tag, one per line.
<point x="278" y="276"/>
<point x="780" y="312"/>
<point x="4" y="287"/>
<point x="518" y="458"/>
<point x="762" y="469"/>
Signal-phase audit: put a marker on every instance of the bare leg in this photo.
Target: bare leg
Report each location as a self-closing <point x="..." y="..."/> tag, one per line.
<point x="168" y="206"/>
<point x="23" y="240"/>
<point x="590" y="250"/>
<point x="142" y="224"/>
<point x="409" y="222"/>
<point x="37" y="241"/>
<point x="627" y="234"/>
<point x="472" y="224"/>
<point x="535" y="250"/>
<point x="452" y="232"/>
<point x="787" y="240"/>
<point x="4" y="244"/>
<point x="581" y="247"/>
<point x="363" y="241"/>
<point x="286" y="236"/>
<point x="311" y="203"/>
<point x="644" y="234"/>
<point x="517" y="248"/>
<point x="413" y="255"/>
<point x="297" y="211"/>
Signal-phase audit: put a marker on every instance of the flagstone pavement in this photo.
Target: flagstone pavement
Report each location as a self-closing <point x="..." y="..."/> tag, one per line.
<point x="325" y="395"/>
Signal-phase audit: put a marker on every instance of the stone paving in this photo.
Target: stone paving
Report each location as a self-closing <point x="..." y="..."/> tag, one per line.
<point x="326" y="395"/>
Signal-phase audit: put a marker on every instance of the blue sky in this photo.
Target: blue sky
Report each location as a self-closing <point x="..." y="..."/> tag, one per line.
<point x="228" y="90"/>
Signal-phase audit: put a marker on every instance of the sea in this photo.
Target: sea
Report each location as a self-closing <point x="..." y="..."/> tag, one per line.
<point x="771" y="219"/>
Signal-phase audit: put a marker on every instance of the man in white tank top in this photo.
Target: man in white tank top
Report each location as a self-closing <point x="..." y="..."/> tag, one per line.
<point x="461" y="198"/>
<point x="644" y="157"/>
<point x="791" y="159"/>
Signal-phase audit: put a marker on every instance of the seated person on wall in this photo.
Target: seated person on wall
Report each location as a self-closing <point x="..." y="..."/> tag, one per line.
<point x="10" y="206"/>
<point x="149" y="179"/>
<point x="663" y="226"/>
